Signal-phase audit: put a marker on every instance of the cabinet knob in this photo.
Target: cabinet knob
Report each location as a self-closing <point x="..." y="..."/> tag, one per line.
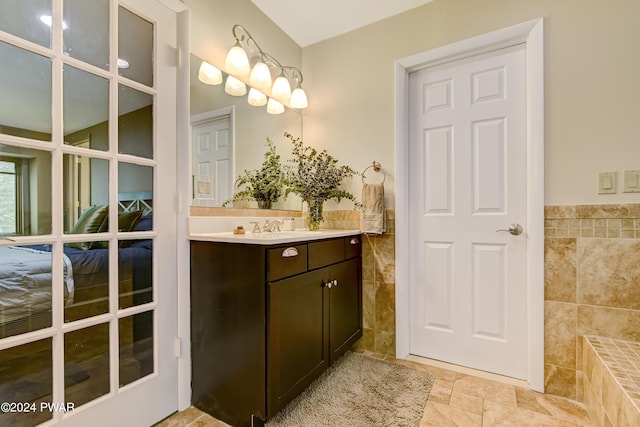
<point x="329" y="284"/>
<point x="355" y="241"/>
<point x="335" y="282"/>
<point x="289" y="252"/>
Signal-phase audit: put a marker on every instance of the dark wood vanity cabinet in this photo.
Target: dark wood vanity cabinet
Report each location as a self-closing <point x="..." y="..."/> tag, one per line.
<point x="259" y="337"/>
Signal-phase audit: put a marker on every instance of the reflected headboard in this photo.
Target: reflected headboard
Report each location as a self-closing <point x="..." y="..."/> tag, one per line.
<point x="136" y="201"/>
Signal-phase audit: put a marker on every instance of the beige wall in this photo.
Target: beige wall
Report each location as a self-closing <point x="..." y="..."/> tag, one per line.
<point x="591" y="63"/>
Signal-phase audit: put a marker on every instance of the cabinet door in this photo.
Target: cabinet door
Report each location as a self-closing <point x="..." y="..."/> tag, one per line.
<point x="297" y="336"/>
<point x="345" y="305"/>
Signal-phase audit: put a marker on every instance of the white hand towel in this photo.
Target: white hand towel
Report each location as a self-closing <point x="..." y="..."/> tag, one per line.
<point x="372" y="220"/>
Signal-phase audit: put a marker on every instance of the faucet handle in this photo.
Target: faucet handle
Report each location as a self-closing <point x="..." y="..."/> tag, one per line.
<point x="256" y="227"/>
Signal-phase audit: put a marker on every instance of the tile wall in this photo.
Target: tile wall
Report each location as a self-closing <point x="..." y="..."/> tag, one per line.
<point x="592" y="286"/>
<point x="378" y="284"/>
<point x="612" y="381"/>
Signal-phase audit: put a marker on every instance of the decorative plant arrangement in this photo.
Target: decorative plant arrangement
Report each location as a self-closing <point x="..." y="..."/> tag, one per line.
<point x="264" y="185"/>
<point x="315" y="177"/>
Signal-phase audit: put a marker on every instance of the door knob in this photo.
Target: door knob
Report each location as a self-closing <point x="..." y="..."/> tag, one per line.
<point x="514" y="229"/>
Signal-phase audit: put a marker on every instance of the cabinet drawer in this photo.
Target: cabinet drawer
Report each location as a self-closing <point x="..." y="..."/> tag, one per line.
<point x="325" y="252"/>
<point x="286" y="261"/>
<point x="353" y="246"/>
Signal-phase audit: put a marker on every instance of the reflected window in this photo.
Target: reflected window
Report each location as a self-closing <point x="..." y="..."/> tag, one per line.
<point x="86" y="36"/>
<point x="86" y="195"/>
<point x="86" y="109"/>
<point x="25" y="191"/>
<point x="9" y="198"/>
<point x="135" y="182"/>
<point x="136" y="347"/>
<point x="30" y="20"/>
<point x="135" y="122"/>
<point x="136" y="59"/>
<point x="25" y="79"/>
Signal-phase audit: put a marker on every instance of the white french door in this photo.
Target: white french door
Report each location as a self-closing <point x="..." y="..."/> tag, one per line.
<point x="467" y="181"/>
<point x="88" y="315"/>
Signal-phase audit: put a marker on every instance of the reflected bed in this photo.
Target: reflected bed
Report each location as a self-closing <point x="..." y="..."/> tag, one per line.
<point x="26" y="279"/>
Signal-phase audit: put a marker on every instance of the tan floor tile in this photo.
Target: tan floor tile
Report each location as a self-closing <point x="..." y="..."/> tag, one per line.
<point x="498" y="392"/>
<point x="207" y="420"/>
<point x="565" y="409"/>
<point x="495" y="415"/>
<point x="441" y="391"/>
<point x="466" y="402"/>
<point x="440" y="415"/>
<point x="182" y="418"/>
<point x="528" y="399"/>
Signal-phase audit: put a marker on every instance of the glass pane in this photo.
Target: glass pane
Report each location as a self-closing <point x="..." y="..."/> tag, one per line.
<point x="86" y="364"/>
<point x="30" y="20"/>
<point x="136" y="58"/>
<point x="86" y="36"/>
<point x="9" y="195"/>
<point x="25" y="85"/>
<point x="85" y="195"/>
<point x="135" y="272"/>
<point x="26" y="379"/>
<point x="25" y="193"/>
<point x="135" y="182"/>
<point x="86" y="109"/>
<point x="136" y="347"/>
<point x="89" y="287"/>
<point x="135" y="122"/>
<point x="25" y="287"/>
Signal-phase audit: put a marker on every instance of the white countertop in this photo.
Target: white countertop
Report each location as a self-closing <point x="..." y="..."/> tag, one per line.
<point x="271" y="238"/>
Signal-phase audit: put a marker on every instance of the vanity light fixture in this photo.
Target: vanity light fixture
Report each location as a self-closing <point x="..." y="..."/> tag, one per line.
<point x="235" y="87"/>
<point x="237" y="61"/>
<point x="256" y="98"/>
<point x="48" y="21"/>
<point x="264" y="66"/>
<point x="123" y="64"/>
<point x="209" y="74"/>
<point x="260" y="76"/>
<point x="274" y="107"/>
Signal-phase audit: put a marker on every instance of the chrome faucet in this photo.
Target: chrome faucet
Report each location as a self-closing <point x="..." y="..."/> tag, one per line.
<point x="271" y="225"/>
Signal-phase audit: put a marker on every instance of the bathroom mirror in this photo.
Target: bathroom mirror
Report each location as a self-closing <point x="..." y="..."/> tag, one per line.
<point x="228" y="137"/>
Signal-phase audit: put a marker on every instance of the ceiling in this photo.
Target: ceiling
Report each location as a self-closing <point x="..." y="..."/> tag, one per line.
<point x="310" y="21"/>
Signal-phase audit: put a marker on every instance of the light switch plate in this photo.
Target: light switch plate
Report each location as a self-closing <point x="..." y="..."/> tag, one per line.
<point x="631" y="181"/>
<point x="607" y="182"/>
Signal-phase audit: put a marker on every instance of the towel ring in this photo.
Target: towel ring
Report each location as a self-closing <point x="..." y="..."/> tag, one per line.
<point x="377" y="168"/>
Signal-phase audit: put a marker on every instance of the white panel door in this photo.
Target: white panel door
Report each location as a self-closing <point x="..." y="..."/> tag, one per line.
<point x="212" y="152"/>
<point x="468" y="180"/>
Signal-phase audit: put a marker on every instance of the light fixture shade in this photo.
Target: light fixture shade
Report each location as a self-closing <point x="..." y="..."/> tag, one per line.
<point x="237" y="61"/>
<point x="298" y="98"/>
<point x="256" y="97"/>
<point x="260" y="76"/>
<point x="209" y="74"/>
<point x="235" y="87"/>
<point x="274" y="107"/>
<point x="281" y="89"/>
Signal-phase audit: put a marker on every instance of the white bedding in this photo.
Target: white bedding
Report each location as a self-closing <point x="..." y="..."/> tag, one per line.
<point x="25" y="282"/>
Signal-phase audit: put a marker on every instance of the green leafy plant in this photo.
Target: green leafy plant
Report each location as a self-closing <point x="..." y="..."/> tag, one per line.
<point x="316" y="177"/>
<point x="264" y="185"/>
